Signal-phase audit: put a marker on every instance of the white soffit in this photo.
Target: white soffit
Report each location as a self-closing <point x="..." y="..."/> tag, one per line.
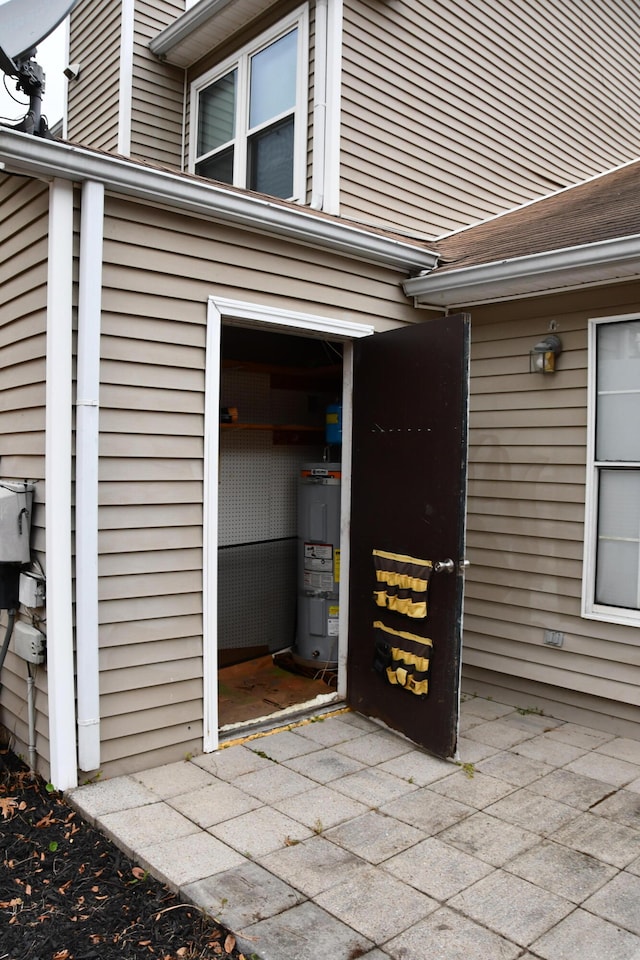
<point x="204" y="27"/>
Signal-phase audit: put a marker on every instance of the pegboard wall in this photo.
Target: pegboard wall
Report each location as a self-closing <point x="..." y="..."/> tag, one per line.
<point x="257" y="523"/>
<point x="257" y="480"/>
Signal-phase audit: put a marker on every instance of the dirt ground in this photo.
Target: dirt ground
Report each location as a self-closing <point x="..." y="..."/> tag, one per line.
<point x="68" y="893"/>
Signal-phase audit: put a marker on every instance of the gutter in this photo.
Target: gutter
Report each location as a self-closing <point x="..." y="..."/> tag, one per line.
<point x="20" y="153"/>
<point x="540" y="273"/>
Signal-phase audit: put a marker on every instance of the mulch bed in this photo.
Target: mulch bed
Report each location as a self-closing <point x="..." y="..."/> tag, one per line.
<point x="68" y="893"/>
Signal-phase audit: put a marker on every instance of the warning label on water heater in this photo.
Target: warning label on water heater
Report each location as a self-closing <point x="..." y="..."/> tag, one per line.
<point x="318" y="566"/>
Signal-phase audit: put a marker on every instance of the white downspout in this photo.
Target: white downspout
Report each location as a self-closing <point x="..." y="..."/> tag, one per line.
<point x="333" y="83"/>
<point x="125" y="82"/>
<point x="87" y="439"/>
<point x="319" y="107"/>
<point x="58" y="452"/>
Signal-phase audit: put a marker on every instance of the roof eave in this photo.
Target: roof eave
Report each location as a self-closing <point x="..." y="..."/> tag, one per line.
<point x="553" y="271"/>
<point x="47" y="159"/>
<point x="169" y="39"/>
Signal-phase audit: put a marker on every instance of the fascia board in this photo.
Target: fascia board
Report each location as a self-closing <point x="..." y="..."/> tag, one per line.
<point x="549" y="272"/>
<point x="46" y="159"/>
<point x="182" y="28"/>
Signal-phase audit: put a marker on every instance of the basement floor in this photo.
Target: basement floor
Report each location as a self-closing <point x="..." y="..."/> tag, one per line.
<point x="258" y="688"/>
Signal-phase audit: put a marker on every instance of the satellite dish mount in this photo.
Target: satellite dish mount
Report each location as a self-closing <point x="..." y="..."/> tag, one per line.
<point x="23" y="24"/>
<point x="30" y="77"/>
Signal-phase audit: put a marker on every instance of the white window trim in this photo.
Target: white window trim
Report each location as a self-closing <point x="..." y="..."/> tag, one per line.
<point x="590" y="609"/>
<point x="299" y="18"/>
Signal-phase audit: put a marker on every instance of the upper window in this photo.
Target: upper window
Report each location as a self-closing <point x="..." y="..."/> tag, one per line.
<point x="249" y="114"/>
<point x="612" y="542"/>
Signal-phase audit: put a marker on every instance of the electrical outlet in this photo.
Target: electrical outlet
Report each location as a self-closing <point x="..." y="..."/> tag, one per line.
<point x="32" y="590"/>
<point x="553" y="638"/>
<point x="28" y="642"/>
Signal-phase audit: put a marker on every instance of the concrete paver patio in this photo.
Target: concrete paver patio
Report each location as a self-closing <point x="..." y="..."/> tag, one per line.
<point x="335" y="839"/>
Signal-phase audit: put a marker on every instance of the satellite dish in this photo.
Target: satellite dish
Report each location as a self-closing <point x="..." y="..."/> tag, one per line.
<point x="23" y="25"/>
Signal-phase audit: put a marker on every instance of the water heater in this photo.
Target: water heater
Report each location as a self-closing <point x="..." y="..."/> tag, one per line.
<point x="318" y="565"/>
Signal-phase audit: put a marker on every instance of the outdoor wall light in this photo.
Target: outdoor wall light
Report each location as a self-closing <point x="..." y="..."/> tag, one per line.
<point x="72" y="71"/>
<point x="542" y="358"/>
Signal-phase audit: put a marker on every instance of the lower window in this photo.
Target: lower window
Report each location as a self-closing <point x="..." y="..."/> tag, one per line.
<point x="612" y="541"/>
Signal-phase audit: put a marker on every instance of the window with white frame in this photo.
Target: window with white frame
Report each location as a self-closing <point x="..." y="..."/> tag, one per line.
<point x="249" y="114"/>
<point x="612" y="541"/>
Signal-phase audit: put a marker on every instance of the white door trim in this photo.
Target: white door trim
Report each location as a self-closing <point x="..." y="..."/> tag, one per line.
<point x="220" y="310"/>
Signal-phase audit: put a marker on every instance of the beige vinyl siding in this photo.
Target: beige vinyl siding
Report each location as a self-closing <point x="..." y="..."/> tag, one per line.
<point x="160" y="268"/>
<point x="24" y="209"/>
<point x="150" y="523"/>
<point x="158" y="89"/>
<point x="451" y="113"/>
<point x="93" y="99"/>
<point x="525" y="518"/>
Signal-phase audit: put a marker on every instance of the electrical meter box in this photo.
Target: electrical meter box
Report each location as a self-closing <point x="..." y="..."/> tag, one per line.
<point x="16" y="499"/>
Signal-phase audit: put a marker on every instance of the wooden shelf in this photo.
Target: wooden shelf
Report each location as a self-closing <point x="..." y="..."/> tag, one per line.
<point x="283" y="433"/>
<point x="294" y="428"/>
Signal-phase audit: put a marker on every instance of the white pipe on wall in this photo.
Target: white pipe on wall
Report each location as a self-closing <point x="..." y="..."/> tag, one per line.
<point x="125" y="82"/>
<point x="319" y="107"/>
<point x="87" y="441"/>
<point x="333" y="85"/>
<point x="58" y="452"/>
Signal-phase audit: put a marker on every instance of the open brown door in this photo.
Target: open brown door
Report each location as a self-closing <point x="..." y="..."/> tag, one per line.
<point x="407" y="519"/>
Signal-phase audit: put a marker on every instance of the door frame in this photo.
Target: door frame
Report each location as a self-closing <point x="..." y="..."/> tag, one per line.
<point x="244" y="313"/>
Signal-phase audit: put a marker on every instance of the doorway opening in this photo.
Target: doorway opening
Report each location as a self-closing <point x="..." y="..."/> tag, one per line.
<point x="276" y="389"/>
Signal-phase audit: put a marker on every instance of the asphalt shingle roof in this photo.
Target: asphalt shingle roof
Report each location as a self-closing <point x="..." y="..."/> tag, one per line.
<point x="606" y="207"/>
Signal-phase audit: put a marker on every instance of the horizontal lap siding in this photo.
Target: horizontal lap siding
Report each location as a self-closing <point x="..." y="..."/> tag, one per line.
<point x="150" y="516"/>
<point x="158" y="90"/>
<point x="160" y="268"/>
<point x="24" y="208"/>
<point x="526" y="507"/>
<point x="93" y="98"/>
<point x="187" y="260"/>
<point x="453" y="112"/>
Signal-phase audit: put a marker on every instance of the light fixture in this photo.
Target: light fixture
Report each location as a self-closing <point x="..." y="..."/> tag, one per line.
<point x="542" y="358"/>
<point x="72" y="71"/>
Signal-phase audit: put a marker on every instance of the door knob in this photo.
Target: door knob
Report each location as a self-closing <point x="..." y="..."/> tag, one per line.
<point x="449" y="566"/>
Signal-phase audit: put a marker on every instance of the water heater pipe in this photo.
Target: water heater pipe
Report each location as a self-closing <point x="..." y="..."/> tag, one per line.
<point x="31" y="714"/>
